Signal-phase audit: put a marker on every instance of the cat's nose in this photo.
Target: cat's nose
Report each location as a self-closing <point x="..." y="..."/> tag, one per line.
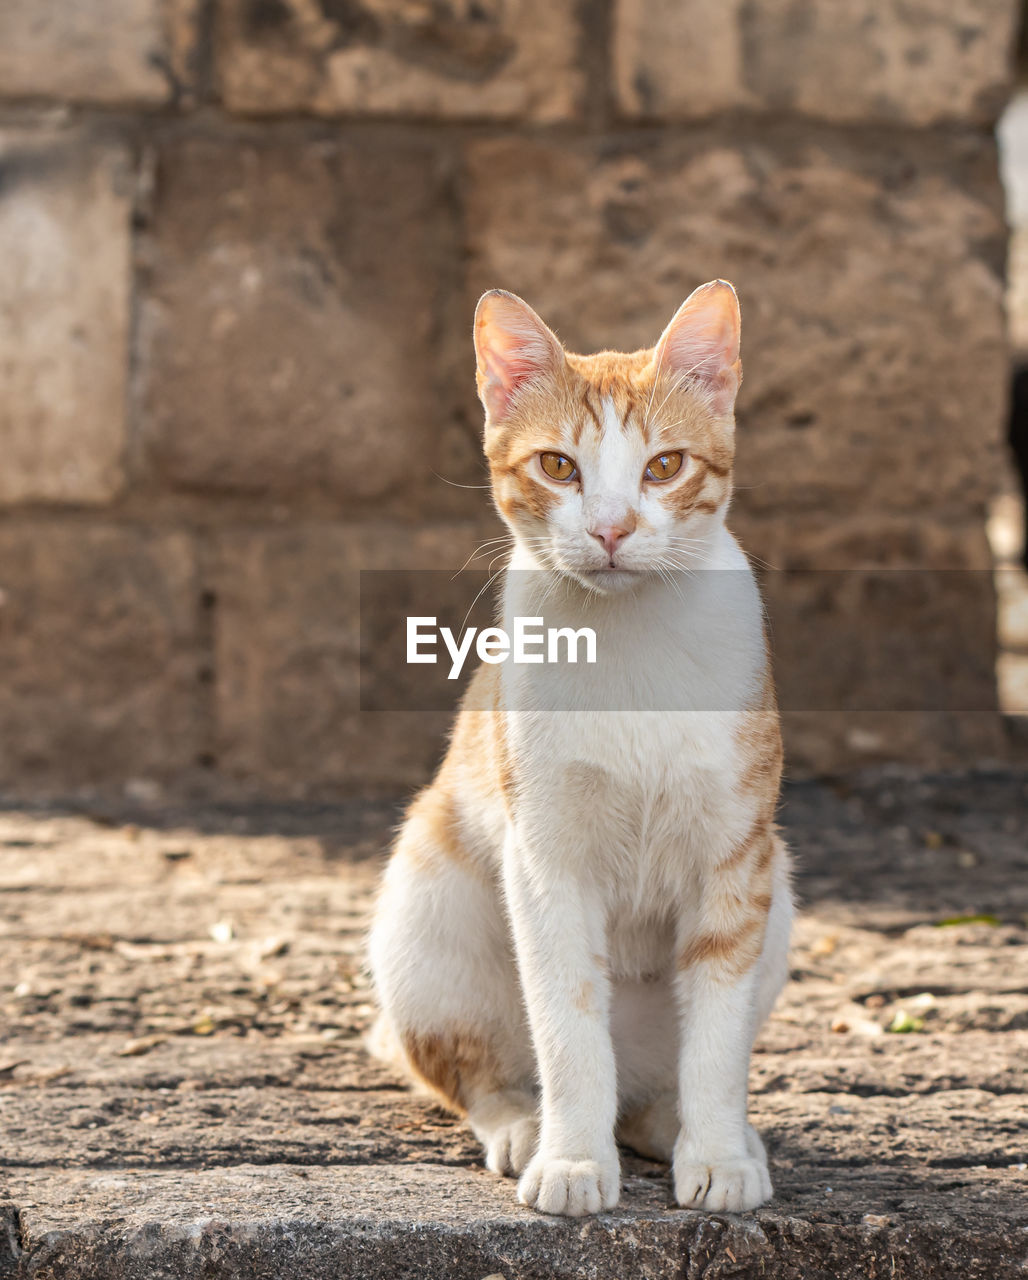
<point x="610" y="535"/>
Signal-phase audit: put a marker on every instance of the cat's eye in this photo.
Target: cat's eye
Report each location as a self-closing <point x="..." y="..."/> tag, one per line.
<point x="664" y="466"/>
<point x="557" y="467"/>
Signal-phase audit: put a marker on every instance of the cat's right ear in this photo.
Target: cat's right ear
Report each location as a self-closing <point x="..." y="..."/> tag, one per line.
<point x="701" y="344"/>
<point x="514" y="348"/>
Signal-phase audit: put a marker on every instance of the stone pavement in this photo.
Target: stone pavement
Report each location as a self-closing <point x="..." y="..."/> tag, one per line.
<point x="183" y="1090"/>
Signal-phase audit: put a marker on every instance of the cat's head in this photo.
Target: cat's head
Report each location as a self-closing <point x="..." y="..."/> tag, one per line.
<point x="607" y="465"/>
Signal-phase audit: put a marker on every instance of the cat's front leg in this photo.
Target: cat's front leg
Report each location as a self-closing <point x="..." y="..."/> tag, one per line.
<point x="560" y="944"/>
<point x="728" y="973"/>
<point x="719" y="1162"/>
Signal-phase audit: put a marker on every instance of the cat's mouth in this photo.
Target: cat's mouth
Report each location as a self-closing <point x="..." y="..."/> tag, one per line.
<point x="608" y="579"/>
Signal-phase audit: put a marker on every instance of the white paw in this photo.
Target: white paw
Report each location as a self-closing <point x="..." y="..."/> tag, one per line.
<point x="722" y="1186"/>
<point x="510" y="1146"/>
<point x="571" y="1187"/>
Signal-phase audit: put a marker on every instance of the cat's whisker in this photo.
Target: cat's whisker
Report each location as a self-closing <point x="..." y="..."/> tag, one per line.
<point x="455" y="485"/>
<point x="676" y="385"/>
<point x="676" y="560"/>
<point x="653" y="385"/>
<point x="764" y="564"/>
<point x="688" y="559"/>
<point x="478" y="595"/>
<point x="665" y="577"/>
<point x="687" y="539"/>
<point x="549" y="587"/>
<point x="680" y="380"/>
<point x="694" y="554"/>
<point x="481" y="550"/>
<point x="680" y="566"/>
<point x="489" y="542"/>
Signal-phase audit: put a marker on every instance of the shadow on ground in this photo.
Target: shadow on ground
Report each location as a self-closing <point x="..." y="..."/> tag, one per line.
<point x="183" y="1088"/>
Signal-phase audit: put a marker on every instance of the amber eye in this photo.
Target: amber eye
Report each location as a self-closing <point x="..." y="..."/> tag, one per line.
<point x="663" y="466"/>
<point x="557" y="467"/>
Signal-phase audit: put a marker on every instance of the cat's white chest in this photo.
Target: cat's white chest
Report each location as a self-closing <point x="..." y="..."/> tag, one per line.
<point x="629" y="769"/>
<point x="650" y="788"/>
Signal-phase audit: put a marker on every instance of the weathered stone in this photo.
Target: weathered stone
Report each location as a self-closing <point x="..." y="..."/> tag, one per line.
<point x="883" y="640"/>
<point x="247" y="1132"/>
<point x="827" y="742"/>
<point x="288" y="658"/>
<point x="98" y="645"/>
<point x="678" y="59"/>
<point x="857" y="61"/>
<point x="871" y="539"/>
<point x="873" y="401"/>
<point x="868" y="270"/>
<point x="289" y="320"/>
<point x="277" y="1222"/>
<point x="396" y="57"/>
<point x="878" y="663"/>
<point x="106" y="51"/>
<point x="65" y="209"/>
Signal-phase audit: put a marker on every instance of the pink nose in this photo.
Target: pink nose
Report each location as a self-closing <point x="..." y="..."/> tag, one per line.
<point x="610" y="535"/>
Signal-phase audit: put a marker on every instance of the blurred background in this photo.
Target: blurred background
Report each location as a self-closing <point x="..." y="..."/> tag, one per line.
<point x="240" y="247"/>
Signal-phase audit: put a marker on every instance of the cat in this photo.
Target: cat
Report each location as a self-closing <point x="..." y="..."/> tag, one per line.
<point x="586" y="916"/>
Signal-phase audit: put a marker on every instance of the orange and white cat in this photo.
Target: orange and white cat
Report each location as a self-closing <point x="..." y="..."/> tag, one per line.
<point x="586" y="916"/>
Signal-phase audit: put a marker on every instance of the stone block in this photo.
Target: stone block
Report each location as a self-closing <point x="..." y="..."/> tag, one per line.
<point x="869" y="271"/>
<point x="65" y="246"/>
<point x="289" y="322"/>
<point x="99" y="647"/>
<point x="820" y="743"/>
<point x="827" y="540"/>
<point x="103" y="51"/>
<point x="288" y="653"/>
<point x="454" y="59"/>
<point x="877" y="657"/>
<point x="883" y="640"/>
<point x="675" y="59"/>
<point x="839" y="60"/>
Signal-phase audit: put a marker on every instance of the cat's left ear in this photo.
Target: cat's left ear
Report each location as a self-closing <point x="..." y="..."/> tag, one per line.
<point x="513" y="347"/>
<point x="701" y="344"/>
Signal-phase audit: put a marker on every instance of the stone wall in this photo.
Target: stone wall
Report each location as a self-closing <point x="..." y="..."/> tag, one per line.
<point x="240" y="244"/>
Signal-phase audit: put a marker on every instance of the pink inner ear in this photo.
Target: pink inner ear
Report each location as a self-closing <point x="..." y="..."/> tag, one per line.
<point x="701" y="343"/>
<point x="514" y="347"/>
<point x="510" y="363"/>
<point x="503" y="373"/>
<point x="702" y="352"/>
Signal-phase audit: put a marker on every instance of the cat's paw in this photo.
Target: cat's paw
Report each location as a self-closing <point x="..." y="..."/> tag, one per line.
<point x="507" y="1125"/>
<point x="721" y="1186"/>
<point x="571" y="1187"/>
<point x="510" y="1146"/>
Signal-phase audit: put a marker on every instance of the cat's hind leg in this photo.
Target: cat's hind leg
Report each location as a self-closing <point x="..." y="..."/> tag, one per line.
<point x="447" y="985"/>
<point x="645" y="1033"/>
<point x="650" y="1129"/>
